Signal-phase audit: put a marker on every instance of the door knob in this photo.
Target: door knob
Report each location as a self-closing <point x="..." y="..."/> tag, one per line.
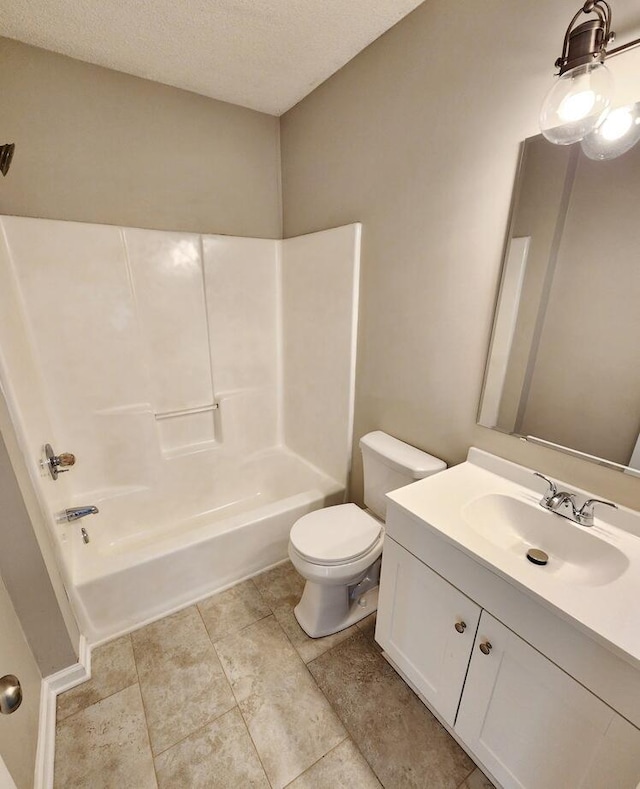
<point x="10" y="694"/>
<point x="460" y="626"/>
<point x="485" y="647"/>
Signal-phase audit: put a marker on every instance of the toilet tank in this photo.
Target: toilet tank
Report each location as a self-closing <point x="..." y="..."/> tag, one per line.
<point x="389" y="464"/>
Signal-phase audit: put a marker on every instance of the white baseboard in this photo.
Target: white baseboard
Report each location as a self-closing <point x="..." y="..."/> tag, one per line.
<point x="51" y="686"/>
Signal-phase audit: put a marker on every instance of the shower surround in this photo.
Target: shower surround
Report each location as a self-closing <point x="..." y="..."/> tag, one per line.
<point x="204" y="383"/>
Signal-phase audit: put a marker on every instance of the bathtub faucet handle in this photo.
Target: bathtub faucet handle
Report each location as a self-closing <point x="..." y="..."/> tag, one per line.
<point x="57" y="464"/>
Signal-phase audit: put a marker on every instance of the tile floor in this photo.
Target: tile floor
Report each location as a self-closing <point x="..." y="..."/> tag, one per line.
<point x="232" y="694"/>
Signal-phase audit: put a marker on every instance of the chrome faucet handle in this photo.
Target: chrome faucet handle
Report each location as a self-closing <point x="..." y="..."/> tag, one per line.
<point x="75" y="513"/>
<point x="552" y="490"/>
<point x="584" y="515"/>
<point x="57" y="464"/>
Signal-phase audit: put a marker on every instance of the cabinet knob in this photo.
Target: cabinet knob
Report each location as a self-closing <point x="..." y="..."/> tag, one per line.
<point x="485" y="647"/>
<point x="461" y="626"/>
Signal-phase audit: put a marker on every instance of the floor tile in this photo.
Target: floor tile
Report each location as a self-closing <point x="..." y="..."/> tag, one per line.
<point x="344" y="766"/>
<point x="182" y="682"/>
<point x="404" y="744"/>
<point x="367" y="627"/>
<point x="105" y="745"/>
<point x="230" y="611"/>
<point x="219" y="756"/>
<point x="256" y="657"/>
<point x="282" y="587"/>
<point x="477" y="780"/>
<point x="112" y="669"/>
<point x="290" y="721"/>
<point x="309" y="648"/>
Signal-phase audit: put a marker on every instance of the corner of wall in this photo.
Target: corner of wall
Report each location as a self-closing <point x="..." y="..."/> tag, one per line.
<point x="279" y="189"/>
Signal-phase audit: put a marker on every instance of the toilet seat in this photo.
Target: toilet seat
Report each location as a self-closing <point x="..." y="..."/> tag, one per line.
<point x="335" y="535"/>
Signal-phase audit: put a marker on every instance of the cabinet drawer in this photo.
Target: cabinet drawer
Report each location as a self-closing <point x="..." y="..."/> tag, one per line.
<point x="426" y="626"/>
<point x="534" y="727"/>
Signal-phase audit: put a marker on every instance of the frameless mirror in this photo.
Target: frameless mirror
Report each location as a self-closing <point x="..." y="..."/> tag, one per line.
<point x="564" y="363"/>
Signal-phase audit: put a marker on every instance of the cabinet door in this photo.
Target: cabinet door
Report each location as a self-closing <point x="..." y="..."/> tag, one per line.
<point x="417" y="616"/>
<point x="533" y="726"/>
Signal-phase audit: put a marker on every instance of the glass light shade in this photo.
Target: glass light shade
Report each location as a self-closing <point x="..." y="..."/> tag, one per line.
<point x="577" y="104"/>
<point x="617" y="134"/>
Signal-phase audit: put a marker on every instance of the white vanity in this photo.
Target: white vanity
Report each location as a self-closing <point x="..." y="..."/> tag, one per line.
<point x="535" y="670"/>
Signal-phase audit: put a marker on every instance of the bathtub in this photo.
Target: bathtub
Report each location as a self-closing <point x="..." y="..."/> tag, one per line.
<point x="154" y="549"/>
<point x="190" y="363"/>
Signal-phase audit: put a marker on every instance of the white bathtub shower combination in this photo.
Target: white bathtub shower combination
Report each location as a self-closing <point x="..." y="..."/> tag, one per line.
<point x="157" y="549"/>
<point x="205" y="385"/>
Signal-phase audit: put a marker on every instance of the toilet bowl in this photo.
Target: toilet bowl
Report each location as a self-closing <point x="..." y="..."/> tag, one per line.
<point x="337" y="550"/>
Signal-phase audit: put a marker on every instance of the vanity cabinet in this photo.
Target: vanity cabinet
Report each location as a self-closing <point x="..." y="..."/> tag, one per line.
<point x="427" y="628"/>
<point x="525" y="720"/>
<point x="531" y="725"/>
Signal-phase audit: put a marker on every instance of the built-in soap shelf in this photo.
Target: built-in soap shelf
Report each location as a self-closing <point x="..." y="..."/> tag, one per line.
<point x="179" y="431"/>
<point x="185" y="411"/>
<point x="187" y="430"/>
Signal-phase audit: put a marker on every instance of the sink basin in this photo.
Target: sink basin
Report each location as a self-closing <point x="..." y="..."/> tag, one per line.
<point x="488" y="508"/>
<point x="576" y="555"/>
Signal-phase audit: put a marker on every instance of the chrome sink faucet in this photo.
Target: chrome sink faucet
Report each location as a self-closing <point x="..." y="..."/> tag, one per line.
<point x="563" y="503"/>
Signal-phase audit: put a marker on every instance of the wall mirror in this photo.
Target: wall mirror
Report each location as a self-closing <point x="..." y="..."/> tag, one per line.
<point x="564" y="362"/>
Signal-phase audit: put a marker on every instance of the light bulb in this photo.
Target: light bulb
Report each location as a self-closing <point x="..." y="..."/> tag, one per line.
<point x="617" y="134"/>
<point x="577" y="104"/>
<point x="616" y="124"/>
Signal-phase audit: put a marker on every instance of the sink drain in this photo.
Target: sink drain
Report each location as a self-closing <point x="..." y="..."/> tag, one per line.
<point x="537" y="556"/>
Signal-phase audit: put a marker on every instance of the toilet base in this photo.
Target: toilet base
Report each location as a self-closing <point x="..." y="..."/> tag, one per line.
<point x="324" y="610"/>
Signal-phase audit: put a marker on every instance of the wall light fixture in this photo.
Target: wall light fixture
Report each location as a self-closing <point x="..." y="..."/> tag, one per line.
<point x="581" y="99"/>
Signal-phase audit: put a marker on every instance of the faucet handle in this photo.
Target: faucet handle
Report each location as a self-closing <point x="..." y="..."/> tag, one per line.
<point x="57" y="464"/>
<point x="584" y="516"/>
<point x="551" y="491"/>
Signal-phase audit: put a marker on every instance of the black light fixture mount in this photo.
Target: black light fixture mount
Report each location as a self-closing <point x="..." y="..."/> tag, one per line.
<point x="587" y="43"/>
<point x="6" y="155"/>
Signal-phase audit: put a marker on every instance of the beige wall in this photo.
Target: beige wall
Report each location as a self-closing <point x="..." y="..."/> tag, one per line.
<point x="418" y="139"/>
<point x="95" y="145"/>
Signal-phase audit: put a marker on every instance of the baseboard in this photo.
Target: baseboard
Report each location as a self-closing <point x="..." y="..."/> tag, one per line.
<point x="51" y="686"/>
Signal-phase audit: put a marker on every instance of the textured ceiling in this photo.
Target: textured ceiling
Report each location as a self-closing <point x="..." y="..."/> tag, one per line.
<point x="263" y="54"/>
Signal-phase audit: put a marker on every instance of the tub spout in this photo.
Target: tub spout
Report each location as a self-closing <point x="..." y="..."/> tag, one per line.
<point x="75" y="513"/>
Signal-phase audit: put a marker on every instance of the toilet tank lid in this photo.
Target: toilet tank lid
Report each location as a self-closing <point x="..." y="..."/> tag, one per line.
<point x="403" y="457"/>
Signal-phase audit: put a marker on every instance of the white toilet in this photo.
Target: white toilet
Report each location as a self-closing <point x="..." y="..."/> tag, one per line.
<point x="338" y="549"/>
